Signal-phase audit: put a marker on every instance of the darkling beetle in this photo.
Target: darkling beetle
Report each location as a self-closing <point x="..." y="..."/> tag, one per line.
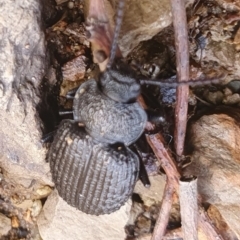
<point x="92" y="165"/>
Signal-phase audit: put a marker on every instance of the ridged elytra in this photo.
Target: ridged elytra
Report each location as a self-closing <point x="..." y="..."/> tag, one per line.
<point x="91" y="176"/>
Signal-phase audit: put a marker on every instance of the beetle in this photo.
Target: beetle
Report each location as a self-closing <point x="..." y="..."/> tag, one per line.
<point x="92" y="166"/>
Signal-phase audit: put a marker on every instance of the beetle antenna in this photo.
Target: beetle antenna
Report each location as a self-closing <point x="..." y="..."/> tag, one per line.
<point x="171" y="82"/>
<point x="119" y="17"/>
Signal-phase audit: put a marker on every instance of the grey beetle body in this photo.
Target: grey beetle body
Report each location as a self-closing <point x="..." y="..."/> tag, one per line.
<point x="91" y="176"/>
<point x="89" y="171"/>
<point x="92" y="167"/>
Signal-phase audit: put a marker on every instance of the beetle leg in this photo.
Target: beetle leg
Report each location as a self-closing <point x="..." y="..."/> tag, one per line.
<point x="155" y="116"/>
<point x="65" y="112"/>
<point x="47" y="138"/>
<point x="71" y="93"/>
<point x="143" y="176"/>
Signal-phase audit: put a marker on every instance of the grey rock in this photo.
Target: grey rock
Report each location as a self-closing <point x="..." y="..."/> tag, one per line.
<point x="58" y="220"/>
<point x="216" y="163"/>
<point x="5" y="225"/>
<point x="141" y="20"/>
<point x="154" y="194"/>
<point x="234" y="85"/>
<point x="23" y="59"/>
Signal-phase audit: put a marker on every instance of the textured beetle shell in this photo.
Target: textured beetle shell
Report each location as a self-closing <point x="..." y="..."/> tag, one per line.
<point x="94" y="178"/>
<point x="105" y="119"/>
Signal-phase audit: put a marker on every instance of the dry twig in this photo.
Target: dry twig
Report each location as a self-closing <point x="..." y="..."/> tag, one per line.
<point x="164" y="214"/>
<point x="182" y="57"/>
<point x="167" y="162"/>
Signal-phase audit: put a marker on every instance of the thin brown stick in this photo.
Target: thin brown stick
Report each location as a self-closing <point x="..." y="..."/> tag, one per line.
<point x="157" y="143"/>
<point x="182" y="58"/>
<point x="164" y="214"/>
<point x="189" y="207"/>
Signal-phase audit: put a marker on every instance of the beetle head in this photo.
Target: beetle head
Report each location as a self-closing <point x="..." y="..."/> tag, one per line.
<point x="119" y="83"/>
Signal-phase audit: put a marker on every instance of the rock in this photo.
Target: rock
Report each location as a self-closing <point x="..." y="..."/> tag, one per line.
<point x="36" y="208"/>
<point x="43" y="192"/>
<point x="233" y="99"/>
<point x="29" y="205"/>
<point x="5" y="225"/>
<point x="216" y="162"/>
<point x="143" y="225"/>
<point x="58" y="220"/>
<point x="227" y="92"/>
<point x="70" y="5"/>
<point x="217" y="51"/>
<point x="25" y="205"/>
<point x="153" y="194"/>
<point x="229" y="5"/>
<point x="75" y="69"/>
<point x="213" y="97"/>
<point x="220" y="223"/>
<point x="230" y="214"/>
<point x="234" y="86"/>
<point x="23" y="63"/>
<point x="145" y="237"/>
<point x="141" y="20"/>
<point x="136" y="210"/>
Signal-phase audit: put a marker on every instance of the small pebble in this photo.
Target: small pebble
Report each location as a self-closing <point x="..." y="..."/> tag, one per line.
<point x="15" y="222"/>
<point x="36" y="208"/>
<point x="192" y="99"/>
<point x="5" y="224"/>
<point x="1" y="177"/>
<point x="213" y="97"/>
<point x="234" y="86"/>
<point x="147" y="215"/>
<point x="44" y="191"/>
<point x="1" y="90"/>
<point x="70" y="5"/>
<point x="232" y="99"/>
<point x="143" y="225"/>
<point x="227" y="91"/>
